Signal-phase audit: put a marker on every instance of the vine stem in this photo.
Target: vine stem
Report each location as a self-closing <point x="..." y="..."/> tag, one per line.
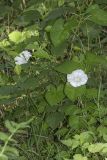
<point x="7" y="141"/>
<point x="98" y="100"/>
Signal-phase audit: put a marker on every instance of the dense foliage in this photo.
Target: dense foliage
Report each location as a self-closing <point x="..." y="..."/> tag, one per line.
<point x="59" y="36"/>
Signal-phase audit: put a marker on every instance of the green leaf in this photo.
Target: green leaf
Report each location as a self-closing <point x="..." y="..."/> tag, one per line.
<point x="71" y="24"/>
<point x="3" y="157"/>
<point x="91" y="93"/>
<point x="69" y="66"/>
<point x="86" y="137"/>
<point x="74" y="92"/>
<point x="101" y="1"/>
<point x="28" y="84"/>
<point x="58" y="34"/>
<point x="3" y="136"/>
<point x="67" y="142"/>
<point x="54" y="119"/>
<point x="91" y="30"/>
<point x="40" y="53"/>
<point x="4" y="10"/>
<point x="12" y="150"/>
<point x="27" y="17"/>
<point x="54" y="95"/>
<point x="79" y="157"/>
<point x="18" y="69"/>
<point x="93" y="59"/>
<point x="97" y="15"/>
<point x="56" y="13"/>
<point x="9" y="125"/>
<point x="16" y="37"/>
<point x="97" y="147"/>
<point x="59" y="50"/>
<point x="74" y="122"/>
<point x="70" y="109"/>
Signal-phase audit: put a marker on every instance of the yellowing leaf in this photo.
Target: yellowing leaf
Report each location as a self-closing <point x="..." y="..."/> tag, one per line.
<point x="16" y="36"/>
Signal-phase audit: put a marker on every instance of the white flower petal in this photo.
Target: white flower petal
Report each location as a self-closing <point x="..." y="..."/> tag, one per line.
<point x="77" y="78"/>
<point x="26" y="54"/>
<point x="22" y="58"/>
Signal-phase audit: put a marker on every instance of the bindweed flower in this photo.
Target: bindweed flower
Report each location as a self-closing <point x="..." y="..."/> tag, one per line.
<point x="77" y="78"/>
<point x="22" y="58"/>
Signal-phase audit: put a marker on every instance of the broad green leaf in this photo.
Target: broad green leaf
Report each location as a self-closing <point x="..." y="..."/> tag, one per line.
<point x="54" y="119"/>
<point x="9" y="125"/>
<point x="4" y="10"/>
<point x="58" y="34"/>
<point x="12" y="150"/>
<point x="59" y="50"/>
<point x="71" y="24"/>
<point x="97" y="15"/>
<point x="3" y="157"/>
<point x="74" y="92"/>
<point x="40" y="53"/>
<point x="93" y="59"/>
<point x="28" y="84"/>
<point x="3" y="136"/>
<point x="97" y="147"/>
<point x="70" y="109"/>
<point x="16" y="37"/>
<point x="54" y="95"/>
<point x="69" y="66"/>
<point x="91" y="93"/>
<point x="67" y="142"/>
<point x="61" y="2"/>
<point x="101" y="1"/>
<point x="61" y="132"/>
<point x="86" y="137"/>
<point x="4" y="43"/>
<point x="62" y="155"/>
<point x="33" y="46"/>
<point x="27" y="17"/>
<point x="74" y="122"/>
<point x="79" y="157"/>
<point x="57" y="13"/>
<point x="91" y="30"/>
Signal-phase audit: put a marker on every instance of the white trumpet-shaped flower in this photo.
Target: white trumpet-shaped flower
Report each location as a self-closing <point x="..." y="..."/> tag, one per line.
<point x="22" y="58"/>
<point x="77" y="78"/>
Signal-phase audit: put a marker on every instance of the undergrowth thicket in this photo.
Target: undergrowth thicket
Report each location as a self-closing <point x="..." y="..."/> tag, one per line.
<point x="70" y="123"/>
